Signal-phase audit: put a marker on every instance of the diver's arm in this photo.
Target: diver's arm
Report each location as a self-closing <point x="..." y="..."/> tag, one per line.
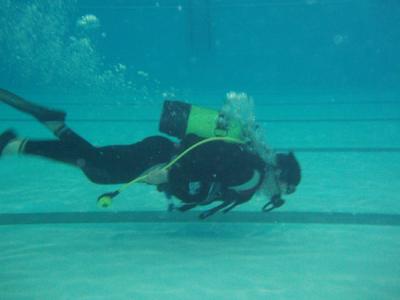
<point x="156" y="175"/>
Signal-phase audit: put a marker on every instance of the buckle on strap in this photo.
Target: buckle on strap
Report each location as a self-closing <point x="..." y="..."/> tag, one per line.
<point x="275" y="202"/>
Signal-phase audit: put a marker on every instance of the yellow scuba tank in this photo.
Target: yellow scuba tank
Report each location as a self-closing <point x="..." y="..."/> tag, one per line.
<point x="179" y="119"/>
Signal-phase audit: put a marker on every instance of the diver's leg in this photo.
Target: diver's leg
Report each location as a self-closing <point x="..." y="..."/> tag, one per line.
<point x="70" y="148"/>
<point x="41" y="113"/>
<point x="123" y="163"/>
<point x="88" y="159"/>
<point x="52" y="119"/>
<point x="105" y="165"/>
<point x="85" y="158"/>
<point x="73" y="154"/>
<point x="52" y="149"/>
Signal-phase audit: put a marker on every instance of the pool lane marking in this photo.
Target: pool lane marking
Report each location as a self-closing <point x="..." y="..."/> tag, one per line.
<point x="337" y="218"/>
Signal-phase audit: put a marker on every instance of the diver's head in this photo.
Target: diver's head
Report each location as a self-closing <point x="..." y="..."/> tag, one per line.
<point x="287" y="172"/>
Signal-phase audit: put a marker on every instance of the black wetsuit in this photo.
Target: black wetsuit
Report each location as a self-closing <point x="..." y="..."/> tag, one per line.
<point x="104" y="165"/>
<point x="215" y="171"/>
<point x="212" y="171"/>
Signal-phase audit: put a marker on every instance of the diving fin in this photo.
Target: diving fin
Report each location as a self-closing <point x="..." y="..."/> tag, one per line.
<point x="41" y="113"/>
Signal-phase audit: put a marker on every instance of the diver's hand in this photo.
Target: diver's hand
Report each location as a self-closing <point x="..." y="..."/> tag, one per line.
<point x="156" y="175"/>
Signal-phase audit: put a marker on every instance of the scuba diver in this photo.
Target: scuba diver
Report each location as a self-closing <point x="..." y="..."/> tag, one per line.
<point x="212" y="160"/>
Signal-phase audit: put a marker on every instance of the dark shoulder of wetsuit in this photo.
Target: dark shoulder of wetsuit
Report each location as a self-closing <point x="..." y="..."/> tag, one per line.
<point x="215" y="171"/>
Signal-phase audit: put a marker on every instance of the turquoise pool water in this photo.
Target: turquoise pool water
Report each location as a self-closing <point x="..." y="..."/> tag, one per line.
<point x="324" y="79"/>
<point x="152" y="256"/>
